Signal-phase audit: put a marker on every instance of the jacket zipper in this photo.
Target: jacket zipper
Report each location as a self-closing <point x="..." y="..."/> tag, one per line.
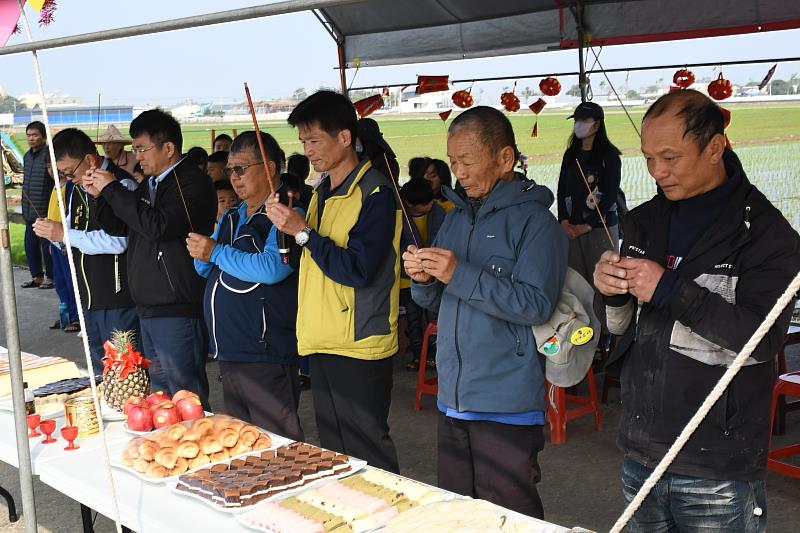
<point x="166" y="270"/>
<point x="458" y="312"/>
<point x="214" y="317"/>
<point x="83" y="256"/>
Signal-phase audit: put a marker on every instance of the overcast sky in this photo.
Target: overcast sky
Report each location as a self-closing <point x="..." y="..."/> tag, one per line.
<point x="280" y="54"/>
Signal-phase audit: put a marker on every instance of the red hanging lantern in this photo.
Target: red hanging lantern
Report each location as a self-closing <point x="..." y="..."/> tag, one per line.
<point x="463" y="99"/>
<point x="510" y="102"/>
<point x="537" y="106"/>
<point x="550" y="86"/>
<point x="368" y="105"/>
<point x="432" y="84"/>
<point x="720" y="89"/>
<point x="444" y="115"/>
<point x="683" y="78"/>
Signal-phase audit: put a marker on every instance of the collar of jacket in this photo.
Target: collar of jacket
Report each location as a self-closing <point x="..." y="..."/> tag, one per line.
<point x="346" y="188"/>
<point x="505" y="193"/>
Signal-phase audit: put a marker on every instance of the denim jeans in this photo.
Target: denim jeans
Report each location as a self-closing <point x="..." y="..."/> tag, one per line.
<point x="690" y="504"/>
<point x="36" y="251"/>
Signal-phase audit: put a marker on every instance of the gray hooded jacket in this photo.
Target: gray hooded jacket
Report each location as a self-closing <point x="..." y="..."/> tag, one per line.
<point x="512" y="260"/>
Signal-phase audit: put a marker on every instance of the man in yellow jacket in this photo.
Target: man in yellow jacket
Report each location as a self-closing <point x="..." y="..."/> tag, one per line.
<point x="349" y="282"/>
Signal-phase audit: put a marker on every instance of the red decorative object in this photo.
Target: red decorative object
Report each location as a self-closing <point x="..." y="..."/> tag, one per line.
<point x="683" y="78"/>
<point x="463" y="99"/>
<point x="444" y="115"/>
<point x="46" y="15"/>
<point x="535" y="131"/>
<point x="537" y="106"/>
<point x="550" y="86"/>
<point x="432" y="84"/>
<point x="720" y="89"/>
<point x="510" y="102"/>
<point x="368" y="105"/>
<point x="122" y="363"/>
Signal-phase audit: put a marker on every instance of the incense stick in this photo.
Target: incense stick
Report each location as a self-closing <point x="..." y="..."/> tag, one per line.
<point x="28" y="199"/>
<point x="399" y="199"/>
<point x="258" y="137"/>
<point x="185" y="207"/>
<point x="596" y="205"/>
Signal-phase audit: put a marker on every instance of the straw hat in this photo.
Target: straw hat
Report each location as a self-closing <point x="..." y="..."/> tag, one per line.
<point x="113" y="135"/>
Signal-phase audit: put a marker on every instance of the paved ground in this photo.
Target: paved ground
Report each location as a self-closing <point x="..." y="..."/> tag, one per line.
<point x="580" y="483"/>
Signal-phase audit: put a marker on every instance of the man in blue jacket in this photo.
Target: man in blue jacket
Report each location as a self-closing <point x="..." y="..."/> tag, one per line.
<point x="495" y="269"/>
<point x="250" y="300"/>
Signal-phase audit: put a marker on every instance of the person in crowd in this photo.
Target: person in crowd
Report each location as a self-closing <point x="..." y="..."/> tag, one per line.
<point x="371" y="145"/>
<point x="438" y="174"/>
<point x="226" y="196"/>
<point x="37" y="185"/>
<point x="137" y="173"/>
<point x="599" y="159"/>
<point x="113" y="142"/>
<point x="298" y="165"/>
<point x="426" y="218"/>
<point x="222" y="143"/>
<point x="701" y="265"/>
<point x="100" y="258"/>
<point x="216" y="166"/>
<point x="67" y="307"/>
<point x="349" y="282"/>
<point x="176" y="199"/>
<point x="199" y="157"/>
<point x="251" y="297"/>
<point x="417" y="166"/>
<point x="488" y="295"/>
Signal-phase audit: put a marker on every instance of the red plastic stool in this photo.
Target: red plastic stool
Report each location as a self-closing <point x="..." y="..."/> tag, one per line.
<point x="559" y="412"/>
<point x="787" y="385"/>
<point x="426" y="385"/>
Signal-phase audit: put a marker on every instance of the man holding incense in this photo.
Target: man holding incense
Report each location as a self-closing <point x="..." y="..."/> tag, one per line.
<point x="701" y="265"/>
<point x="175" y="200"/>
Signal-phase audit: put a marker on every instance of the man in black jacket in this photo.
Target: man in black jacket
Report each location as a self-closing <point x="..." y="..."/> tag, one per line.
<point x="176" y="199"/>
<point x="700" y="267"/>
<point x="36" y="188"/>
<point x="99" y="257"/>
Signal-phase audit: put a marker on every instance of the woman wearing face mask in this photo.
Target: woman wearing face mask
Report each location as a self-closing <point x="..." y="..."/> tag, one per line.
<point x="601" y="163"/>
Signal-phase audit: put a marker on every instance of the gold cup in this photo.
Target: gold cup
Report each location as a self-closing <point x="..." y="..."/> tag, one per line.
<point x="80" y="412"/>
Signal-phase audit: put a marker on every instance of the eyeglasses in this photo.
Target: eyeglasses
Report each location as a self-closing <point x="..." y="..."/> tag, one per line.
<point x="140" y="150"/>
<point x="239" y="170"/>
<point x="71" y="174"/>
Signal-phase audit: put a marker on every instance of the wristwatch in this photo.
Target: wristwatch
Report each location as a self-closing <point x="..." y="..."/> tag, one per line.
<point x="302" y="236"/>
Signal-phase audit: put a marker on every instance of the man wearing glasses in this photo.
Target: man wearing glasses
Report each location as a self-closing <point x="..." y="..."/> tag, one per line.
<point x="251" y="296"/>
<point x="175" y="200"/>
<point x="99" y="257"/>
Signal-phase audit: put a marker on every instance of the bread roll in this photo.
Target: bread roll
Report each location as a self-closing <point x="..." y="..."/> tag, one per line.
<point x="193" y="436"/>
<point x="181" y="466"/>
<point x="240" y="448"/>
<point x="140" y="465"/>
<point x="219" y="456"/>
<point x="228" y="437"/>
<point x="147" y="450"/>
<point x="202" y="426"/>
<point x="200" y="460"/>
<point x="263" y="442"/>
<point x="249" y="434"/>
<point x="176" y="431"/>
<point x="167" y="457"/>
<point x="210" y="444"/>
<point x="188" y="449"/>
<point x="156" y="470"/>
<point x="127" y="459"/>
<point x="133" y="447"/>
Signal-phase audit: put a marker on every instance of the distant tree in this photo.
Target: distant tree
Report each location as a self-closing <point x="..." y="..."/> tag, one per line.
<point x="575" y="90"/>
<point x="299" y="94"/>
<point x="603" y="90"/>
<point x="651" y="89"/>
<point x="781" y="87"/>
<point x="9" y="104"/>
<point x="633" y="95"/>
<point x="527" y="92"/>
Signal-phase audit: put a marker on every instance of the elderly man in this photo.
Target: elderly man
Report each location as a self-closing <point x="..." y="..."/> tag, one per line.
<point x="113" y="142"/>
<point x="175" y="200"/>
<point x="496" y="268"/>
<point x="100" y="258"/>
<point x="701" y="265"/>
<point x="251" y="297"/>
<point x="37" y="185"/>
<point x="349" y="283"/>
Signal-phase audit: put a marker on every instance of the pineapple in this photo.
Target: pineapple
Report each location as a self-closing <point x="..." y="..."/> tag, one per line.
<point x="124" y="373"/>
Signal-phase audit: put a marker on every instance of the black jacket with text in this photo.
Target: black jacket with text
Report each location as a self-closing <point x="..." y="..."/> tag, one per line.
<point x="671" y="356"/>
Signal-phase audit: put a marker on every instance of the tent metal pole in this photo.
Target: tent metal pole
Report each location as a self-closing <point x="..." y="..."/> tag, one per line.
<point x="342" y="69"/>
<point x="233" y="15"/>
<point x="15" y="363"/>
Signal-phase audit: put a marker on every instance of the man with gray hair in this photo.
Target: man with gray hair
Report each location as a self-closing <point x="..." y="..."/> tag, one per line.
<point x="700" y="267"/>
<point x="495" y="269"/>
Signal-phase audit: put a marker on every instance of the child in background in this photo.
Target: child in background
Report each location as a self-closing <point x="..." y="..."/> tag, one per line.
<point x="216" y="166"/>
<point x="138" y="174"/>
<point x="426" y="218"/>
<point x="226" y="196"/>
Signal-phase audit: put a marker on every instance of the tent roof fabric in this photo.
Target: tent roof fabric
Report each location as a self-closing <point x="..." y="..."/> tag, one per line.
<point x="392" y="32"/>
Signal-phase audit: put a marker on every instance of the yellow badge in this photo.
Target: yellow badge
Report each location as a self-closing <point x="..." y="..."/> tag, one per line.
<point x="581" y="336"/>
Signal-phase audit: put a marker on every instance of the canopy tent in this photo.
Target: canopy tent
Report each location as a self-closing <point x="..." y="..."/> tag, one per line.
<point x="388" y="32"/>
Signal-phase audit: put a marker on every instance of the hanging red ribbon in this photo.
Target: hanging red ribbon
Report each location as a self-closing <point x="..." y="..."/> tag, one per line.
<point x="537" y="106"/>
<point x="368" y="105"/>
<point x="122" y="363"/>
<point x="444" y="115"/>
<point x="432" y="84"/>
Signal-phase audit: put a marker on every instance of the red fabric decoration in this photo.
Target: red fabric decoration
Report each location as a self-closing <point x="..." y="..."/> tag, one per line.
<point x="444" y="115"/>
<point x="123" y="363"/>
<point x="720" y="89"/>
<point x="463" y="99"/>
<point x="537" y="106"/>
<point x="550" y="86"/>
<point x="368" y="105"/>
<point x="46" y="15"/>
<point x="432" y="84"/>
<point x="683" y="78"/>
<point x="510" y="102"/>
<point x="535" y="132"/>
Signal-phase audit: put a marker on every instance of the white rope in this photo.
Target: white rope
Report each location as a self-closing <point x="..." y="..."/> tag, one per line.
<point x="73" y="272"/>
<point x="709" y="402"/>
